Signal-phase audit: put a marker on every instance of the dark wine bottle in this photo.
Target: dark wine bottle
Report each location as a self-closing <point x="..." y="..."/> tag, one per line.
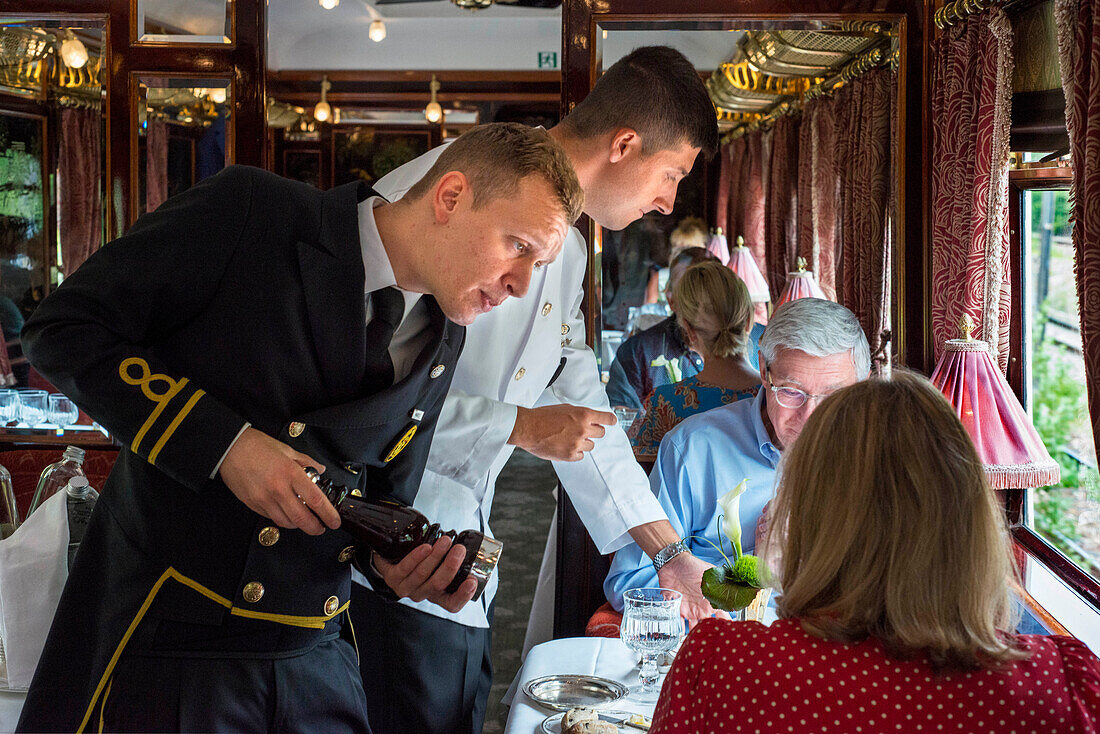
<point x="392" y="529"/>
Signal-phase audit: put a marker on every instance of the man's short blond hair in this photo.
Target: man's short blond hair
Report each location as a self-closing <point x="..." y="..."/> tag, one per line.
<point x="496" y="157"/>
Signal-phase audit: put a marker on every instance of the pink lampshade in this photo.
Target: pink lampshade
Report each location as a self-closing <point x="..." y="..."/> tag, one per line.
<point x="718" y="246"/>
<point x="742" y="262"/>
<point x="1012" y="452"/>
<point x="802" y="284"/>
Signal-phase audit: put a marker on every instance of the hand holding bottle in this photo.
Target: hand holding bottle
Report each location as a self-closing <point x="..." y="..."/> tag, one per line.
<point x="426" y="572"/>
<point x="266" y="475"/>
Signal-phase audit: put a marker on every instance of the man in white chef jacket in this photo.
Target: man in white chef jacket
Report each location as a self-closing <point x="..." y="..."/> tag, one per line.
<point x="526" y="378"/>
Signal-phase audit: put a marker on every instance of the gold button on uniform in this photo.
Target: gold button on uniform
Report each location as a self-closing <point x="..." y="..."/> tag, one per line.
<point x="269" y="536"/>
<point x="547" y="308"/>
<point x="296" y="429"/>
<point x="253" y="591"/>
<point x="564" y="329"/>
<point x="346" y="554"/>
<point x="332" y="604"/>
<point x="438" y="370"/>
<point x="521" y="373"/>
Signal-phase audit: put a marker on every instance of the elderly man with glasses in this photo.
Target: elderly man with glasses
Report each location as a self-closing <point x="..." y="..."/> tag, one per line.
<point x="810" y="349"/>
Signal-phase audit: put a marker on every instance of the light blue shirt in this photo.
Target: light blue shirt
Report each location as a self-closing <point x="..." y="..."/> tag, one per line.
<point x="699" y="461"/>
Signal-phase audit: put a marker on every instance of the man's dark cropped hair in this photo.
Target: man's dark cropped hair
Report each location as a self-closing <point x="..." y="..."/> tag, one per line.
<point x="656" y="92"/>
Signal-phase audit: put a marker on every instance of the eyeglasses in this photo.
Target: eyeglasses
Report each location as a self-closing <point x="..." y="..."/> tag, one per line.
<point x="792" y="397"/>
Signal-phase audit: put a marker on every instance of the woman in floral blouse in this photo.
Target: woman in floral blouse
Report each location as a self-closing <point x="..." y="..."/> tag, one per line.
<point x="896" y="611"/>
<point x="715" y="315"/>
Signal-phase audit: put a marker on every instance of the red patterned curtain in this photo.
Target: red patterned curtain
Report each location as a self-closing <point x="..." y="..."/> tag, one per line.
<point x="80" y="172"/>
<point x="721" y="210"/>
<point x="750" y="217"/>
<point x="156" y="164"/>
<point x="729" y="209"/>
<point x="817" y="192"/>
<point x="971" y="104"/>
<point x="1078" y="24"/>
<point x="781" y="204"/>
<point x="864" y="234"/>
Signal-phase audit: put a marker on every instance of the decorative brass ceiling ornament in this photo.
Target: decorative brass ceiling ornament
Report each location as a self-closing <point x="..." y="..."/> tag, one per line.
<point x="472" y="4"/>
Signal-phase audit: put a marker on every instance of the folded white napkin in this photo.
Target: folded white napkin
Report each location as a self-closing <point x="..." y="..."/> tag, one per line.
<point x="33" y="570"/>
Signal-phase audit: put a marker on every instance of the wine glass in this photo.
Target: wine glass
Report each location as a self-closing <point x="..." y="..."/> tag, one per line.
<point x="32" y="409"/>
<point x="9" y="406"/>
<point x="651" y="625"/>
<point x="61" y="411"/>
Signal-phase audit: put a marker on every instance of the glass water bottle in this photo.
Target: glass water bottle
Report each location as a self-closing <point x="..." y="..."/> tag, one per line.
<point x="80" y="499"/>
<point x="57" y="475"/>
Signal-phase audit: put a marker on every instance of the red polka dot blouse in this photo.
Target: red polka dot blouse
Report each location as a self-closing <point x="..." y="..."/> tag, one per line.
<point x="744" y="677"/>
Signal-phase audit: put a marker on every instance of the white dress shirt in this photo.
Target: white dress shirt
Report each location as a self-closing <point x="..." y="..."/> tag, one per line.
<point x="511" y="353"/>
<point x="411" y="334"/>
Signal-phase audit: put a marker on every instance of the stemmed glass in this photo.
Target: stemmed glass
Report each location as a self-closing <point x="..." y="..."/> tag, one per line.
<point x="651" y="625"/>
<point x="61" y="411"/>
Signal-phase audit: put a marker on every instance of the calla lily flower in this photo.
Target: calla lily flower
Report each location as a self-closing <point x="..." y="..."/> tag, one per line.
<point x="672" y="367"/>
<point x="730" y="503"/>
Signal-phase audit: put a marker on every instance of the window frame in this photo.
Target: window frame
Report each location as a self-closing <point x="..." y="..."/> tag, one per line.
<point x="1073" y="576"/>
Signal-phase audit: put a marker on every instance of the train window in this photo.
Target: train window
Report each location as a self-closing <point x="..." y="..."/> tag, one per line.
<point x="1067" y="516"/>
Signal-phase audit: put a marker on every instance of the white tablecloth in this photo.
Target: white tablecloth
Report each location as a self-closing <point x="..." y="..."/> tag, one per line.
<point x="606" y="657"/>
<point x="11" y="703"/>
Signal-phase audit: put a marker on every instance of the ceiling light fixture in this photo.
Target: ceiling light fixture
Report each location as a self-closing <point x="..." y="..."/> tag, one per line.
<point x="218" y="95"/>
<point x="322" y="112"/>
<point x="433" y="113"/>
<point x="329" y="4"/>
<point x="377" y="31"/>
<point x="72" y="50"/>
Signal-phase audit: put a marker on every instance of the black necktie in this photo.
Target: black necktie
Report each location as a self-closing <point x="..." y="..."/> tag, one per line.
<point x="388" y="306"/>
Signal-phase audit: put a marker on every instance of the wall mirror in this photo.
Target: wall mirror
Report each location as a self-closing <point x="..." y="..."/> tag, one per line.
<point x="51" y="163"/>
<point x="184" y="134"/>
<point x="808" y="166"/>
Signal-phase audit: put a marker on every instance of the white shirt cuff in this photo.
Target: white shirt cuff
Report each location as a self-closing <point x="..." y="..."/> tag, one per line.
<point x="232" y="443"/>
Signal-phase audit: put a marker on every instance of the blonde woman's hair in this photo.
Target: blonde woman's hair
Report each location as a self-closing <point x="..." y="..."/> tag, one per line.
<point x="690" y="232"/>
<point x="497" y="156"/>
<point x="715" y="303"/>
<point x="891" y="530"/>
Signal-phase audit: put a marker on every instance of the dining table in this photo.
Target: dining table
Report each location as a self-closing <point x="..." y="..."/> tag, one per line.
<point x="603" y="657"/>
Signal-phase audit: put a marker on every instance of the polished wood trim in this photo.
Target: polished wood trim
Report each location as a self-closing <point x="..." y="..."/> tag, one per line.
<point x="409" y="100"/>
<point x="418" y="76"/>
<point x="1069" y="572"/>
<point x="1053" y="177"/>
<point x="1044" y="616"/>
<point x="1018" y="291"/>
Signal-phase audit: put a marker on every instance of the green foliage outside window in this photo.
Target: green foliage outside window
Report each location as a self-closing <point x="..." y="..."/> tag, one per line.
<point x="1059" y="410"/>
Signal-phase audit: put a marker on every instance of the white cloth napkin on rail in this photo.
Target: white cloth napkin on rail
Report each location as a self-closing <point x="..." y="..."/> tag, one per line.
<point x="33" y="570"/>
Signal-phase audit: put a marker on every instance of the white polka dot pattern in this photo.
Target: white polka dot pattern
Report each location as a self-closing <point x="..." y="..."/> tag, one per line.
<point x="744" y="677"/>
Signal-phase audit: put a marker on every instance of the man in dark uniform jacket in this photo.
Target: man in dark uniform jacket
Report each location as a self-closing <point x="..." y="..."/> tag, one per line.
<point x="230" y="339"/>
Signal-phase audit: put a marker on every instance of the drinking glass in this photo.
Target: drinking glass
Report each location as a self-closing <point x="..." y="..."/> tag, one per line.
<point x="32" y="409"/>
<point x="651" y="625"/>
<point x="625" y="416"/>
<point x="9" y="406"/>
<point x="62" y="412"/>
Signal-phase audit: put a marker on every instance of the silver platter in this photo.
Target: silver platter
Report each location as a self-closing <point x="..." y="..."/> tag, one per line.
<point x="552" y="724"/>
<point x="563" y="692"/>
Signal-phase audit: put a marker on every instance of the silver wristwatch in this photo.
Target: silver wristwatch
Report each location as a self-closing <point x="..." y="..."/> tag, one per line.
<point x="667" y="553"/>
